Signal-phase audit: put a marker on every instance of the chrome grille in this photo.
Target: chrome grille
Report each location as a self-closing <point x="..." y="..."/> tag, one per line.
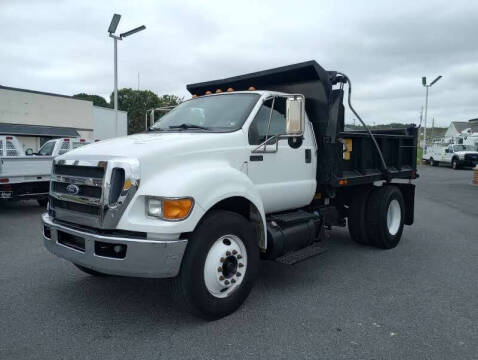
<point x="93" y="193"/>
<point x="82" y="171"/>
<point x="84" y="190"/>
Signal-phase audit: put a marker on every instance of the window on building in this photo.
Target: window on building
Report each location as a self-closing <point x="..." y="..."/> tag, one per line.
<point x="1" y="147"/>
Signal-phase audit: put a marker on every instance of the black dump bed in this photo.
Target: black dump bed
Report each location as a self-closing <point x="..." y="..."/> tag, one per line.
<point x="344" y="157"/>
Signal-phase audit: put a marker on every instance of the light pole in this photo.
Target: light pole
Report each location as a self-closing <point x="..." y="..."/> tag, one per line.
<point x="111" y="29"/>
<point x="424" y="83"/>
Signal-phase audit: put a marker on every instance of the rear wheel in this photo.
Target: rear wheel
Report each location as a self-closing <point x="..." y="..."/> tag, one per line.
<point x="433" y="162"/>
<point x="219" y="266"/>
<point x="385" y="217"/>
<point x="356" y="217"/>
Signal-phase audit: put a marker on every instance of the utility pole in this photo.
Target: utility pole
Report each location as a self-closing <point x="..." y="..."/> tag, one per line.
<point x="433" y="126"/>
<point x="112" y="29"/>
<point x="424" y="83"/>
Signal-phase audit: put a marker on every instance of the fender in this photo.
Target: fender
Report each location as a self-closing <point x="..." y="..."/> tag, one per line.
<point x="207" y="182"/>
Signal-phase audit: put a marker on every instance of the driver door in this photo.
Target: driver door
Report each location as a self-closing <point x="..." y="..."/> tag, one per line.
<point x="285" y="178"/>
<point x="448" y="153"/>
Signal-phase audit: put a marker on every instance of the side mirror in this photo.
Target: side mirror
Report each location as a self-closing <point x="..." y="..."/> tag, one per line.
<point x="295" y="115"/>
<point x="29" y="152"/>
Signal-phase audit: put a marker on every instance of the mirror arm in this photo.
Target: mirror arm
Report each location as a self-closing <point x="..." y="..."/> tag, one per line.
<point x="269" y="123"/>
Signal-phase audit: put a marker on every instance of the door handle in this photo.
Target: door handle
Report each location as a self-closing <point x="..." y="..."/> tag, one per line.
<point x="308" y="156"/>
<point x="256" y="158"/>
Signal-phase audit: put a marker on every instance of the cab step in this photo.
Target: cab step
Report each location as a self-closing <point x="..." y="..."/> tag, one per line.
<point x="300" y="255"/>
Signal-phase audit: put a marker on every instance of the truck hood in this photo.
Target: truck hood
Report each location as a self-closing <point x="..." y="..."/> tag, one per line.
<point x="154" y="143"/>
<point x="465" y="152"/>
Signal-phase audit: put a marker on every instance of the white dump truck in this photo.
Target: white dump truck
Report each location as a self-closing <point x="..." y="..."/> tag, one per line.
<point x="254" y="166"/>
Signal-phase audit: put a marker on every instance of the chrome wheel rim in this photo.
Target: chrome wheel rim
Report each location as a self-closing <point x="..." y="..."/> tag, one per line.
<point x="225" y="266"/>
<point x="394" y="217"/>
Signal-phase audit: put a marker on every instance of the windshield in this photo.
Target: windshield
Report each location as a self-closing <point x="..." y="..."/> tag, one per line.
<point x="222" y="113"/>
<point x="463" y="148"/>
<point x="47" y="148"/>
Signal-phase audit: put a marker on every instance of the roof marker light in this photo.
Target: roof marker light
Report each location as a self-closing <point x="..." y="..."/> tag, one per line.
<point x="251" y="88"/>
<point x="218" y="91"/>
<point x="230" y="89"/>
<point x="195" y="96"/>
<point x="208" y="92"/>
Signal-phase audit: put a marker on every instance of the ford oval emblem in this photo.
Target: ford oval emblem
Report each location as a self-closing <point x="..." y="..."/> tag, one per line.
<point x="72" y="189"/>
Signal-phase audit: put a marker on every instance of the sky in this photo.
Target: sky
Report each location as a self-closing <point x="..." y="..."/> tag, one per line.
<point x="385" y="47"/>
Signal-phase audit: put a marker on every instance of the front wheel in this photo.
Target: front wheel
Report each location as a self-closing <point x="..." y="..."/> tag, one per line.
<point x="454" y="164"/>
<point x="219" y="266"/>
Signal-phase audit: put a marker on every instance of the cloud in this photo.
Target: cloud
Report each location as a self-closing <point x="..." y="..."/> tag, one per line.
<point x="384" y="46"/>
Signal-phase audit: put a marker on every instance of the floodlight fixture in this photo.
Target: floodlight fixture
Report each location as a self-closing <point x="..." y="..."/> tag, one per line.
<point x="114" y="23"/>
<point x="434" y="81"/>
<point x="131" y="32"/>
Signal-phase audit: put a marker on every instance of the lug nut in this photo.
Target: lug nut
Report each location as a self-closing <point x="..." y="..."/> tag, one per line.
<point x="233" y="281"/>
<point x="226" y="282"/>
<point x="228" y="253"/>
<point x="239" y="256"/>
<point x="241" y="265"/>
<point x="219" y="269"/>
<point x="221" y="277"/>
<point x="238" y="274"/>
<point x="234" y="252"/>
<point x="222" y="260"/>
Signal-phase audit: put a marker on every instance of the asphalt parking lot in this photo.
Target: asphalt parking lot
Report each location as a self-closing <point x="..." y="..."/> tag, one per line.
<point x="418" y="301"/>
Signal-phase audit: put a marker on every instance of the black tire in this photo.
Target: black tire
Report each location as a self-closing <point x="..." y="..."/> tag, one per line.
<point x="434" y="163"/>
<point x="377" y="212"/>
<point x="90" y="271"/>
<point x="454" y="164"/>
<point x="356" y="216"/>
<point x="42" y="202"/>
<point x="190" y="287"/>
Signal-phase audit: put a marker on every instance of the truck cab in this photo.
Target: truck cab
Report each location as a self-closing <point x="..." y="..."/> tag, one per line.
<point x="254" y="166"/>
<point x="61" y="146"/>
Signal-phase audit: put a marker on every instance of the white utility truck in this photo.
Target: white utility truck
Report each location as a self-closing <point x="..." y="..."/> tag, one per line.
<point x="455" y="155"/>
<point x="28" y="177"/>
<point x="253" y="166"/>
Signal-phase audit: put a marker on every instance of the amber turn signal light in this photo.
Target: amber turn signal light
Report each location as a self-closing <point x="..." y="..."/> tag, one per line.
<point x="177" y="209"/>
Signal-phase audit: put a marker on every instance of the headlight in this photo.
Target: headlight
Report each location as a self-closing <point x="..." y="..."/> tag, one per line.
<point x="155" y="207"/>
<point x="461" y="156"/>
<point x="169" y="208"/>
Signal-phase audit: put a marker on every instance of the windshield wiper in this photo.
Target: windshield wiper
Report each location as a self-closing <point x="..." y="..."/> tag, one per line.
<point x="188" y="126"/>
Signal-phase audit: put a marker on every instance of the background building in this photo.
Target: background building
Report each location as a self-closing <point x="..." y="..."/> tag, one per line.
<point x="456" y="127"/>
<point x="35" y="117"/>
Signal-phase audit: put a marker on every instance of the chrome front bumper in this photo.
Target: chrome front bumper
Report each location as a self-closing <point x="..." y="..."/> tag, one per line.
<point x="143" y="258"/>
